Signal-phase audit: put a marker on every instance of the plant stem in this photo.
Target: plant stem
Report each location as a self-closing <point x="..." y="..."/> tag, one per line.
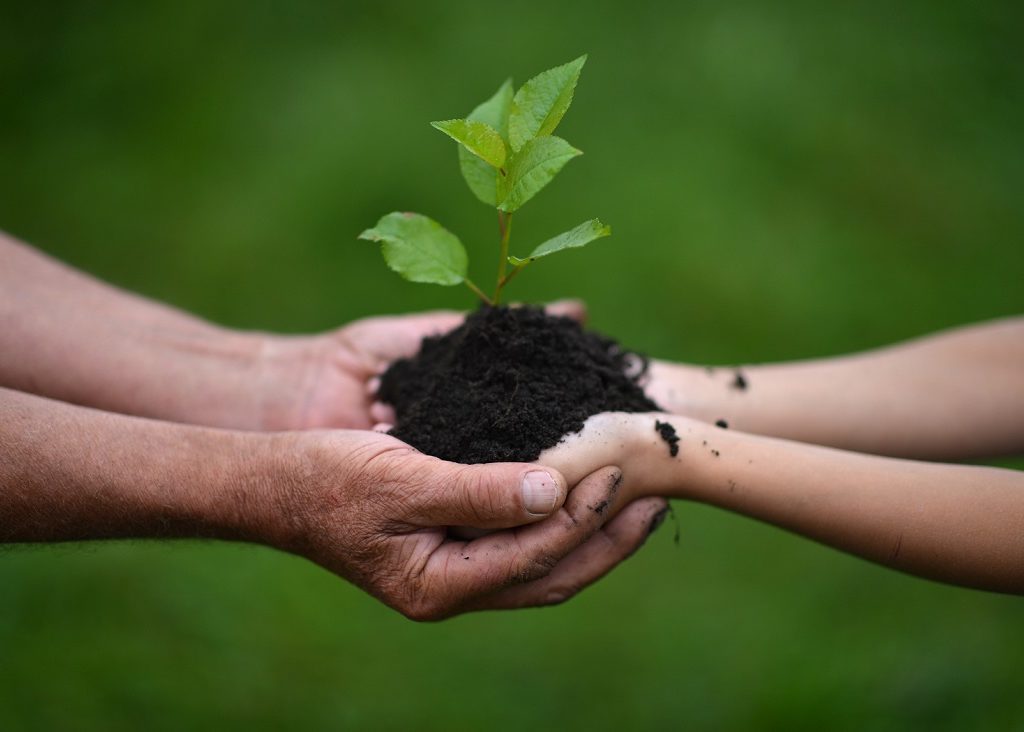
<point x="508" y="278"/>
<point x="478" y="291"/>
<point x="505" y="227"/>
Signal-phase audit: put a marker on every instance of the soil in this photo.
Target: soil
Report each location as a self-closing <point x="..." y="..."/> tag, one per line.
<point x="507" y="384"/>
<point x="739" y="381"/>
<point x="668" y="434"/>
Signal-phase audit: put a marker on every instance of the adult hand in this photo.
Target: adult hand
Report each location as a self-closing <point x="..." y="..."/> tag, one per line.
<point x="374" y="510"/>
<point x="360" y="503"/>
<point x="325" y="381"/>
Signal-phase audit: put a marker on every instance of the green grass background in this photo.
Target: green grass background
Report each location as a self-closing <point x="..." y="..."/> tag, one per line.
<point x="785" y="180"/>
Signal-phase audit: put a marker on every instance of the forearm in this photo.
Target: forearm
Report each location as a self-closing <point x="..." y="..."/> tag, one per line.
<point x="954" y="395"/>
<point x="957" y="524"/>
<point x="70" y="473"/>
<point x="67" y="336"/>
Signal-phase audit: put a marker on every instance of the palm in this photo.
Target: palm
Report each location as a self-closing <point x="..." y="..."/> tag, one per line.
<point x="333" y="371"/>
<point x="337" y="394"/>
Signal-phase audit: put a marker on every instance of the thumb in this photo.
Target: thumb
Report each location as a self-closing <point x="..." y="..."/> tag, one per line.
<point x="493" y="495"/>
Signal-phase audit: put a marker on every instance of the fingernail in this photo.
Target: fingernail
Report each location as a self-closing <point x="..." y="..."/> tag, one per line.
<point x="540" y="492"/>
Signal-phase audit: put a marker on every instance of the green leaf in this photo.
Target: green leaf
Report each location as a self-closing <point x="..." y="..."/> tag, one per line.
<point x="531" y="169"/>
<point x="494" y="111"/>
<point x="481" y="178"/>
<point x="419" y="248"/>
<point x="478" y="137"/>
<point x="540" y="103"/>
<point x="580" y="236"/>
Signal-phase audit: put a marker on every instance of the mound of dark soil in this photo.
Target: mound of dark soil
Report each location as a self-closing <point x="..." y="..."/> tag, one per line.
<point x="507" y="384"/>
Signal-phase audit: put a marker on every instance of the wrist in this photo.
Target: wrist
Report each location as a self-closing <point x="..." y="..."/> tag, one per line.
<point x="681" y="388"/>
<point x="286" y="376"/>
<point x="208" y="376"/>
<point x="208" y="483"/>
<point x="710" y="394"/>
<point x="239" y="380"/>
<point x="262" y="495"/>
<point x="662" y="454"/>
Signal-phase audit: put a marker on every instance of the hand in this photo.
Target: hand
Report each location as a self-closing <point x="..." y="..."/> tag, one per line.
<point x="696" y="391"/>
<point x="325" y="381"/>
<point x="373" y="510"/>
<point x="633" y="443"/>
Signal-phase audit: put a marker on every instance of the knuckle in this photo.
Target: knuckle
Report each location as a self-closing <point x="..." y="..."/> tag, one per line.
<point x="533" y="567"/>
<point x="424" y="611"/>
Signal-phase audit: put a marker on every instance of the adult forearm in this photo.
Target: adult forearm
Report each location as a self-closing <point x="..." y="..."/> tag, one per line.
<point x="360" y="503"/>
<point x="954" y="395"/>
<point x="68" y="336"/>
<point x="71" y="473"/>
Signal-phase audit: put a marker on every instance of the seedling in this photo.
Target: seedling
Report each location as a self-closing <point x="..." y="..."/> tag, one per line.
<point x="507" y="154"/>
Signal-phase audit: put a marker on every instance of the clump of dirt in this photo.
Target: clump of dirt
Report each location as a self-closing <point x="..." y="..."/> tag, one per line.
<point x="668" y="434"/>
<point x="507" y="384"/>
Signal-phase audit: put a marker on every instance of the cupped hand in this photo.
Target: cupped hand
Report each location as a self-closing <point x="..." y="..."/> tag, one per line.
<point x="324" y="381"/>
<point x="375" y="511"/>
<point x="634" y="443"/>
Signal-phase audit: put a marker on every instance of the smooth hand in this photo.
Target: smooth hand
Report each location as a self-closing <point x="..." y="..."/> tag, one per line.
<point x="643" y="454"/>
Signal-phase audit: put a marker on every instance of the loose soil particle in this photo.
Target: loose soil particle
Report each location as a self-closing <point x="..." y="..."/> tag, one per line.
<point x="507" y="384"/>
<point x="668" y="434"/>
<point x="740" y="381"/>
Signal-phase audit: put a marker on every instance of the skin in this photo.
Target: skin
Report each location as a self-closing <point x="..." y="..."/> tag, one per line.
<point x="68" y="336"/>
<point x="951" y="396"/>
<point x="952" y="523"/>
<point x="954" y="395"/>
<point x="204" y="451"/>
<point x="361" y="504"/>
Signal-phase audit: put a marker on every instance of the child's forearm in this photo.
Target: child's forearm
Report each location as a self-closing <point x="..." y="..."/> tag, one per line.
<point x="957" y="524"/>
<point x="953" y="395"/>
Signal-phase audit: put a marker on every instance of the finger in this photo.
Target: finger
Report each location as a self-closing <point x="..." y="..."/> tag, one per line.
<point x="469" y="571"/>
<point x="381" y="412"/>
<point x="434" y="321"/>
<point x="489" y="496"/>
<point x="610" y="545"/>
<point x="384" y="427"/>
<point x="570" y="308"/>
<point x="388" y="338"/>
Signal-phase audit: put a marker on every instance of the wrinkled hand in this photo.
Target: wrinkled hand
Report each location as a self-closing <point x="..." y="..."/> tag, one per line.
<point x="325" y="381"/>
<point x="373" y="510"/>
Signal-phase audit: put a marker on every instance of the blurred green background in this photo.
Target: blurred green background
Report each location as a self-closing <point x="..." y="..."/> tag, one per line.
<point x="785" y="180"/>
